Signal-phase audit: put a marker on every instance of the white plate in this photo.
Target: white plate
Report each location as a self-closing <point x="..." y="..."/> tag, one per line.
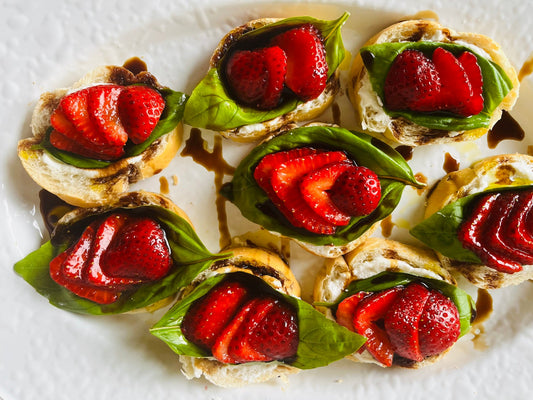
<point x="47" y="353"/>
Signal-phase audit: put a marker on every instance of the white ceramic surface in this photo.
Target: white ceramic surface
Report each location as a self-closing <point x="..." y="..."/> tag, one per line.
<point x="47" y="353"/>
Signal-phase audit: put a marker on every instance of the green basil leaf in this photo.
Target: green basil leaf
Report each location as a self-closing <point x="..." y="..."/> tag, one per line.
<point x="439" y="231"/>
<point x="386" y="280"/>
<point x="392" y="169"/>
<point x="496" y="84"/>
<point x="211" y="106"/>
<point x="170" y="118"/>
<point x="321" y="341"/>
<point x="189" y="254"/>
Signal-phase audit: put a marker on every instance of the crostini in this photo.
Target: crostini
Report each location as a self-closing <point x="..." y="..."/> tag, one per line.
<point x="109" y="130"/>
<point x="418" y="82"/>
<point x="268" y="73"/>
<point x="478" y="220"/>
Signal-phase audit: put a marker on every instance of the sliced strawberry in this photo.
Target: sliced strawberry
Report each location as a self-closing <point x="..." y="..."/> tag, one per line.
<point x="140" y="108"/>
<point x="473" y="231"/>
<point x="277" y="335"/>
<point x="315" y="188"/>
<point x="265" y="168"/>
<point x="139" y="250"/>
<point x="357" y="191"/>
<point x="256" y="77"/>
<point x="402" y="319"/>
<point x="102" y="107"/>
<point x="367" y="319"/>
<point x="439" y="326"/>
<point x="75" y="107"/>
<point x="276" y="66"/>
<point x="495" y="238"/>
<point x="346" y="310"/>
<point x="221" y="347"/>
<point x="107" y="153"/>
<point x="209" y="315"/>
<point x="456" y="90"/>
<point x="68" y="268"/>
<point x="285" y="183"/>
<point x="473" y="71"/>
<point x="240" y="348"/>
<point x="412" y="83"/>
<point x="519" y="227"/>
<point x="307" y="68"/>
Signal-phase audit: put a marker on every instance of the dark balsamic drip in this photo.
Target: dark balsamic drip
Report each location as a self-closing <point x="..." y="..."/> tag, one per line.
<point x="368" y="59"/>
<point x="52" y="209"/>
<point x="336" y="111"/>
<point x="405" y="151"/>
<point x="507" y="128"/>
<point x="196" y="147"/>
<point x="135" y="65"/>
<point x="483" y="306"/>
<point x="450" y="163"/>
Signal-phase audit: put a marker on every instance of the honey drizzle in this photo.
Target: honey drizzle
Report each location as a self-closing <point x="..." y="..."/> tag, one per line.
<point x="386" y="226"/>
<point x="196" y="147"/>
<point x="527" y="68"/>
<point x="420" y="177"/>
<point x="483" y="311"/>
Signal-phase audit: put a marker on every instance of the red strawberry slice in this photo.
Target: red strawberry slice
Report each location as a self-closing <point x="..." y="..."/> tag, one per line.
<point x="75" y="107"/>
<point x="209" y="315"/>
<point x="265" y="168"/>
<point x="402" y="320"/>
<point x="357" y="191"/>
<point x="102" y="107"/>
<point x="65" y="143"/>
<point x="256" y="77"/>
<point x="495" y="238"/>
<point x="105" y="234"/>
<point x="368" y="315"/>
<point x="439" y="326"/>
<point x="68" y="270"/>
<point x="140" y="108"/>
<point x="472" y="233"/>
<point x="240" y="348"/>
<point x="315" y="188"/>
<point x="139" y="250"/>
<point x="346" y="310"/>
<point x="475" y="77"/>
<point x="221" y="347"/>
<point x="412" y="83"/>
<point x="307" y="68"/>
<point x="285" y="183"/>
<point x="519" y="226"/>
<point x="277" y="335"/>
<point x="456" y="90"/>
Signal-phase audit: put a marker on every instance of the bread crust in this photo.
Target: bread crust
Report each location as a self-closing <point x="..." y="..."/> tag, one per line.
<point x="92" y="187"/>
<point x="369" y="109"/>
<point x="270" y="267"/>
<point x="303" y="112"/>
<point x="375" y="256"/>
<point x="500" y="170"/>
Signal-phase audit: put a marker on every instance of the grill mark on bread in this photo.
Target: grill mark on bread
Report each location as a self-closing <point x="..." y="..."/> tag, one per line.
<point x="257" y="269"/>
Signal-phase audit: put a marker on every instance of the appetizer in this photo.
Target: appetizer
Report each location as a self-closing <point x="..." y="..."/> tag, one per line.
<point x="241" y="322"/>
<point x="478" y="220"/>
<point x="135" y="253"/>
<point x="109" y="130"/>
<point x="268" y="73"/>
<point x="323" y="186"/>
<point x="417" y="82"/>
<point x="400" y="298"/>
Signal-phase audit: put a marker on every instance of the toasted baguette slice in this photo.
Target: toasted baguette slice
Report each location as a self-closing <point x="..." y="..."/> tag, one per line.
<point x="375" y="256"/>
<point x="303" y="112"/>
<point x="92" y="187"/>
<point x="499" y="170"/>
<point x="125" y="201"/>
<point x="273" y="270"/>
<point x="369" y="108"/>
